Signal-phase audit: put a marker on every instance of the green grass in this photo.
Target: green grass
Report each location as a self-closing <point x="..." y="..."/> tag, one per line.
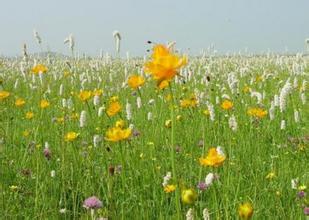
<point x="257" y="148"/>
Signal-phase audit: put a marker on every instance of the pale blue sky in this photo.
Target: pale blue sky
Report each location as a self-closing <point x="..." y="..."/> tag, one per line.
<point x="231" y="25"/>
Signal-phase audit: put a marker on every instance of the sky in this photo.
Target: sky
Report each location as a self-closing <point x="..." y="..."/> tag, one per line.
<point x="230" y="25"/>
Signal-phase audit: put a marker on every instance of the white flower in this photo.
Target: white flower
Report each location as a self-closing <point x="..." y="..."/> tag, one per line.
<point x="220" y="151"/>
<point x="303" y="98"/>
<point x="283" y="125"/>
<point x="53" y="173"/>
<point x="258" y="96"/>
<point x="211" y="111"/>
<point x="62" y="211"/>
<point x="61" y="90"/>
<point x="139" y="102"/>
<point x="83" y="119"/>
<point x="71" y="41"/>
<point x="272" y="111"/>
<point x="117" y="38"/>
<point x="101" y="111"/>
<point x="149" y="116"/>
<point x="96" y="100"/>
<point x="294" y="183"/>
<point x="70" y="103"/>
<point x="166" y="179"/>
<point x="296" y="116"/>
<point x="206" y="214"/>
<point x="209" y="179"/>
<point x="233" y="123"/>
<point x="96" y="140"/>
<point x="128" y="111"/>
<point x="151" y="101"/>
<point x="190" y="215"/>
<point x="285" y="91"/>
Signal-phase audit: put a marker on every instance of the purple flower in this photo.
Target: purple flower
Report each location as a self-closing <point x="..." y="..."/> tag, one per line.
<point x="136" y="133"/>
<point x="202" y="186"/>
<point x="301" y="194"/>
<point x="47" y="153"/>
<point x="178" y="149"/>
<point x="306" y="210"/>
<point x="92" y="203"/>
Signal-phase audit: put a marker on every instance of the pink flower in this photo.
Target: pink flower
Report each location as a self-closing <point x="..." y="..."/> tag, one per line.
<point x="92" y="203"/>
<point x="47" y="153"/>
<point x="306" y="210"/>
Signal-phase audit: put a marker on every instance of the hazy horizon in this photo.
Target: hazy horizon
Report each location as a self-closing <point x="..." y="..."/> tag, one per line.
<point x="259" y="26"/>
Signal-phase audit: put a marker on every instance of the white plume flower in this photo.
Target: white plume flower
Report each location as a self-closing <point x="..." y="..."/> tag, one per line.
<point x="83" y="119"/>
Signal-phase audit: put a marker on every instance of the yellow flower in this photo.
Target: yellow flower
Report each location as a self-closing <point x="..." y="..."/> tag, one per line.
<point x="271" y="175"/>
<point x="206" y="112"/>
<point x="97" y="92"/>
<point x="26" y="133"/>
<point x="188" y="196"/>
<point x="60" y="120"/>
<point x="74" y="116"/>
<point x="178" y="117"/>
<point x="246" y="89"/>
<point x="258" y="78"/>
<point x="44" y="103"/>
<point x="245" y="210"/>
<point x="84" y="95"/>
<point x="191" y="102"/>
<point x="168" y="123"/>
<point x="164" y="64"/>
<point x="29" y="115"/>
<point x="168" y="97"/>
<point x="116" y="134"/>
<point x="70" y="136"/>
<point x="227" y="105"/>
<point x="169" y="188"/>
<point x="66" y="73"/>
<point x="13" y="188"/>
<point x="4" y="95"/>
<point x="19" y="102"/>
<point x="302" y="187"/>
<point x="257" y="112"/>
<point x="113" y="108"/>
<point x="114" y="99"/>
<point x="213" y="158"/>
<point x="120" y="124"/>
<point x="39" y="68"/>
<point x="136" y="81"/>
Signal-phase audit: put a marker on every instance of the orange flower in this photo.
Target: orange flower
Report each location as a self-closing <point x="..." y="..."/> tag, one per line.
<point x="84" y="95"/>
<point x="136" y="81"/>
<point x="4" y="95"/>
<point x="113" y="108"/>
<point x="164" y="64"/>
<point x="213" y="158"/>
<point x="39" y="68"/>
<point x="227" y="105"/>
<point x="257" y="112"/>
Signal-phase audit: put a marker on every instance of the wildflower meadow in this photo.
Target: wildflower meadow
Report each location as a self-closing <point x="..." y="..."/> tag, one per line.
<point x="164" y="136"/>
